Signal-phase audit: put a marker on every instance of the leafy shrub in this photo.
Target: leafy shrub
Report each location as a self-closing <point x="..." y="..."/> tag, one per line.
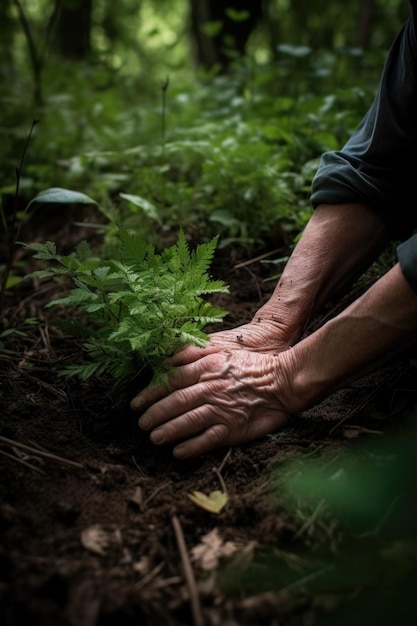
<point x="139" y="307"/>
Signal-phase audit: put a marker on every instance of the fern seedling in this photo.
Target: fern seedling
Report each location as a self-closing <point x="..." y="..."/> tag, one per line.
<point x="139" y="308"/>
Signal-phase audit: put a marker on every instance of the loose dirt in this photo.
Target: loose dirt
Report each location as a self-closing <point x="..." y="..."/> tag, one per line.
<point x="97" y="526"/>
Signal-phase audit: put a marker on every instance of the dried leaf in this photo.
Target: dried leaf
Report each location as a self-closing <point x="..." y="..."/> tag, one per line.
<point x="95" y="539"/>
<point x="137" y="497"/>
<point x="211" y="549"/>
<point x="213" y="503"/>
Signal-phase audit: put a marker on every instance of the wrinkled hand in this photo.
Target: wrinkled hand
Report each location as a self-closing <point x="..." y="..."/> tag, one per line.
<point x="220" y="399"/>
<point x="259" y="336"/>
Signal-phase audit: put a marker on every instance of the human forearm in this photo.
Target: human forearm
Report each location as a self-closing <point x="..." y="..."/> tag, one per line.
<point x="372" y="330"/>
<point x="337" y="244"/>
<point x="234" y="396"/>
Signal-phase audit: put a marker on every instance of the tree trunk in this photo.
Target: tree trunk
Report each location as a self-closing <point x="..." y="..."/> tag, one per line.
<point x="220" y="30"/>
<point x="365" y="25"/>
<point x="7" y="29"/>
<point x="73" y="30"/>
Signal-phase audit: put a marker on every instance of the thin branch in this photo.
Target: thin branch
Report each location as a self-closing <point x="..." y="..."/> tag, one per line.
<point x="154" y="493"/>
<point x="35" y="452"/>
<point x="221" y="480"/>
<point x="255" y="259"/>
<point x="50" y="27"/>
<point x="164" y="88"/>
<point x="22" y="462"/>
<point x="218" y="470"/>
<point x="188" y="573"/>
<point x="149" y="576"/>
<point x="14" y="230"/>
<point x="33" y="52"/>
<point x="225" y="459"/>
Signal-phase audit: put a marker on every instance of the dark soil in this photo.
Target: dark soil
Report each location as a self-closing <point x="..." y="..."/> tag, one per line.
<point x="96" y="524"/>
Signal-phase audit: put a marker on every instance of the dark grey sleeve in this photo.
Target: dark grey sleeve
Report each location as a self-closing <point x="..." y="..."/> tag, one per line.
<point x="407" y="257"/>
<point x="375" y="167"/>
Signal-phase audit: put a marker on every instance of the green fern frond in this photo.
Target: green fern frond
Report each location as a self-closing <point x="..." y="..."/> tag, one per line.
<point x="142" y="306"/>
<point x="45" y="251"/>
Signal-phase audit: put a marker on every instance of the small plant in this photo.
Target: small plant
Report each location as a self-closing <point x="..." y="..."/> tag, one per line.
<point x="138" y="308"/>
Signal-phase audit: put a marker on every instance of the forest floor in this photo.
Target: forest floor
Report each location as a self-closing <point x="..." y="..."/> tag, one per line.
<point x="97" y="526"/>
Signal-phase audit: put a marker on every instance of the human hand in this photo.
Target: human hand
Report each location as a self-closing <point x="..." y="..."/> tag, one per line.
<point x="221" y="399"/>
<point x="257" y="336"/>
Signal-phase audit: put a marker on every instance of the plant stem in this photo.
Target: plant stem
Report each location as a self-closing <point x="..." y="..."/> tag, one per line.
<point x="14" y="230"/>
<point x="164" y="87"/>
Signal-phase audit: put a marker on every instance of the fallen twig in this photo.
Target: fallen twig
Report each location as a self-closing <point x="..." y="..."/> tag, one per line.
<point x="255" y="259"/>
<point x="36" y="452"/>
<point x="22" y="462"/>
<point x="221" y="480"/>
<point x="218" y="470"/>
<point x="226" y="456"/>
<point x="149" y="576"/>
<point x="188" y="573"/>
<point x="59" y="393"/>
<point x="154" y="493"/>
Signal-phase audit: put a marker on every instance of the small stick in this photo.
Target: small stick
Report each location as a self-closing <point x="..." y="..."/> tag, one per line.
<point x="226" y="456"/>
<point x="138" y="467"/>
<point x="59" y="393"/>
<point x="157" y="490"/>
<point x="22" y="462"/>
<point x="35" y="452"/>
<point x="218" y="470"/>
<point x="221" y="481"/>
<point x="188" y="573"/>
<point x="149" y="577"/>
<point x="255" y="259"/>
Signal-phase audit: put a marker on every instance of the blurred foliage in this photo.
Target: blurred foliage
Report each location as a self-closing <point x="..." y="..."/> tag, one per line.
<point x="162" y="145"/>
<point x="353" y="553"/>
<point x="231" y="155"/>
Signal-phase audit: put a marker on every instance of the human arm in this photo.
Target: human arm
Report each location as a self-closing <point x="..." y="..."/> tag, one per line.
<point x="209" y="406"/>
<point x="373" y="169"/>
<point x="232" y="397"/>
<point x="338" y="243"/>
<point x="375" y="328"/>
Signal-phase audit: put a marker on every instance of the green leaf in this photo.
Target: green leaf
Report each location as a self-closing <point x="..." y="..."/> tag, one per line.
<point x="93" y="308"/>
<point x="12" y="281"/>
<point x="211" y="29"/>
<point x="83" y="251"/>
<point x="58" y="195"/>
<point x="149" y="209"/>
<point x="197" y="338"/>
<point x="237" y="16"/>
<point x="224" y="217"/>
<point x="101" y="272"/>
<point x="7" y="332"/>
<point x="46" y="251"/>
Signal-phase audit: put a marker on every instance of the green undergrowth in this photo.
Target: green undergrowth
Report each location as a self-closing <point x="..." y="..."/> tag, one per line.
<point x="133" y="310"/>
<point x="353" y="553"/>
<point x="227" y="155"/>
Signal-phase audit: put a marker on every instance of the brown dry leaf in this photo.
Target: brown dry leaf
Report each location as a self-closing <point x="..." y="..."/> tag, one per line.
<point x="213" y="503"/>
<point x="142" y="566"/>
<point x="137" y="497"/>
<point x="95" y="539"/>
